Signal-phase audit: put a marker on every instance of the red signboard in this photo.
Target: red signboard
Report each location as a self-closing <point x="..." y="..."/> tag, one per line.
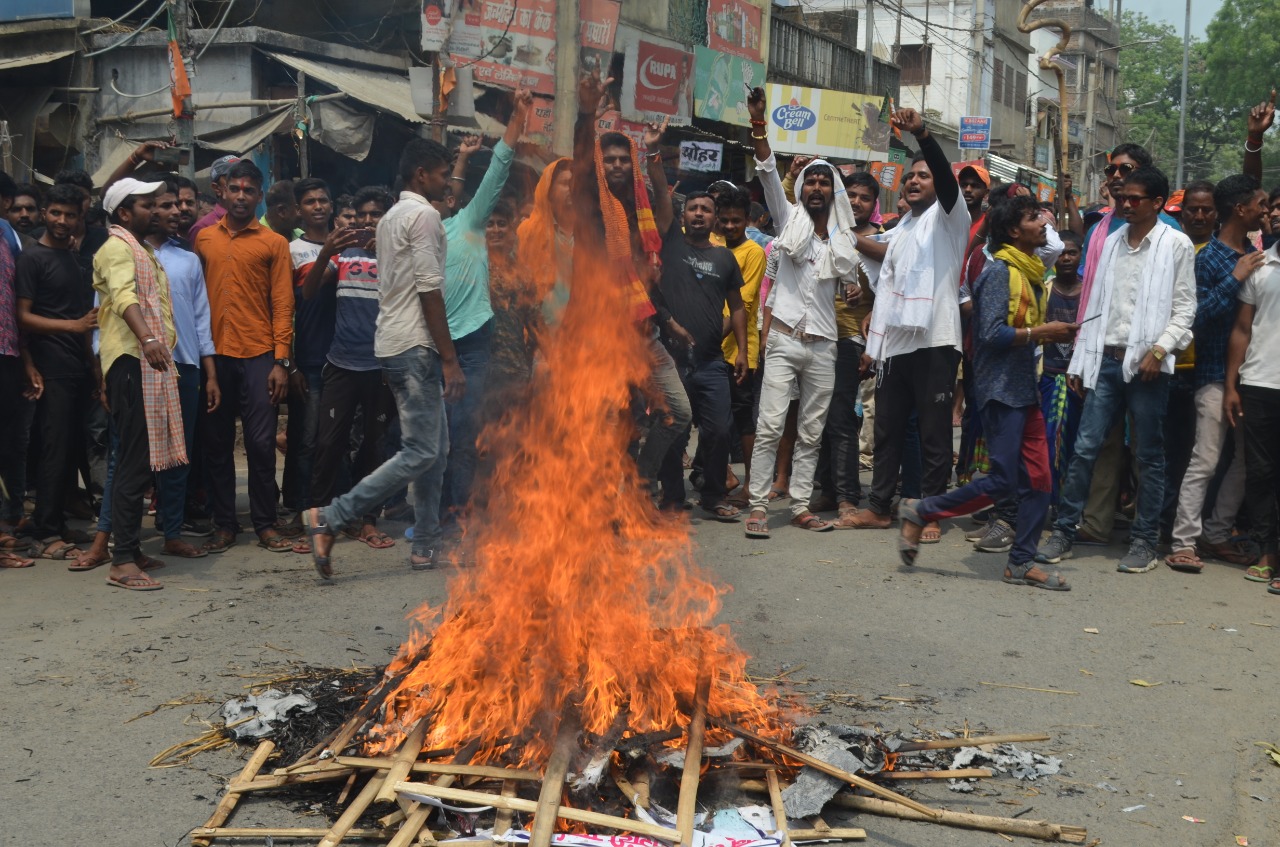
<point x="734" y="27"/>
<point x="663" y="78"/>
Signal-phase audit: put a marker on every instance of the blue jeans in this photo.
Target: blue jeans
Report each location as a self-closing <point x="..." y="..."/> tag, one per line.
<point x="416" y="381"/>
<point x="707" y="387"/>
<point x="671" y="412"/>
<point x="464" y="419"/>
<point x="171" y="484"/>
<point x="1104" y="406"/>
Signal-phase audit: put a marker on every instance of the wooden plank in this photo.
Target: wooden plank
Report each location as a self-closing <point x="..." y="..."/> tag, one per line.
<point x="979" y="741"/>
<point x="518" y="804"/>
<point x="260" y="832"/>
<point x="502" y="821"/>
<point x="686" y="806"/>
<point x="828" y="834"/>
<point x="827" y="768"/>
<point x="544" y="817"/>
<point x="413" y="824"/>
<point x="958" y="773"/>
<point x="453" y="768"/>
<point x="222" y="812"/>
<point x="403" y="761"/>
<point x="779" y="808"/>
<point x="347" y="820"/>
<point x="268" y="782"/>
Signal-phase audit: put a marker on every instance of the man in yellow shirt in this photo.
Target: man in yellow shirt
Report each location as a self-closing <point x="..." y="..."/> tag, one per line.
<point x="136" y="324"/>
<point x="733" y="209"/>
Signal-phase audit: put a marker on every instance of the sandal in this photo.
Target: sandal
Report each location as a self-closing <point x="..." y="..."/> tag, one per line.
<point x="12" y="543"/>
<point x="89" y="561"/>
<point x="59" y="551"/>
<point x="274" y="542"/>
<point x="866" y="519"/>
<point x="316" y="527"/>
<point x="1259" y="573"/>
<point x="376" y="539"/>
<point x="1235" y="551"/>
<point x="9" y="559"/>
<point x="757" y="527"/>
<point x="932" y="533"/>
<point x="1184" y="560"/>
<point x="302" y="547"/>
<point x="908" y="549"/>
<point x="135" y="582"/>
<point x="1274" y="587"/>
<point x="147" y="563"/>
<point x="1022" y="575"/>
<point x="723" y="512"/>
<point x="777" y="494"/>
<point x="811" y="522"/>
<point x="183" y="550"/>
<point x="221" y="541"/>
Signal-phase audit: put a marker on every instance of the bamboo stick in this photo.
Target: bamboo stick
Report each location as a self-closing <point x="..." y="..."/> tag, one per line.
<point x="1042" y="830"/>
<point x="686" y="806"/>
<point x="413" y="824"/>
<point x="959" y="773"/>
<point x="403" y="761"/>
<point x="352" y="813"/>
<point x="502" y="821"/>
<point x="828" y="834"/>
<point x="544" y="818"/>
<point x="227" y="804"/>
<point x="267" y="783"/>
<point x="826" y="767"/>
<point x="211" y="832"/>
<point x="453" y="768"/>
<point x="519" y="804"/>
<point x="779" y="808"/>
<point x="980" y="741"/>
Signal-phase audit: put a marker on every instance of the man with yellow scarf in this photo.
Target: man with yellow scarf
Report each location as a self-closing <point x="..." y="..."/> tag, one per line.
<point x="1009" y="299"/>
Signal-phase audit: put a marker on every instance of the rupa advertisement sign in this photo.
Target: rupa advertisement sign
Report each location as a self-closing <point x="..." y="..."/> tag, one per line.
<point x="657" y="80"/>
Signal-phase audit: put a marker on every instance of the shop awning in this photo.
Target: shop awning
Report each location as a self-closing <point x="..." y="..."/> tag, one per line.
<point x="246" y="136"/>
<point x="10" y="62"/>
<point x="387" y="92"/>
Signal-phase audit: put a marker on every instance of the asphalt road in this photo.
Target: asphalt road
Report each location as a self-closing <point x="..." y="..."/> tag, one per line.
<point x="835" y="610"/>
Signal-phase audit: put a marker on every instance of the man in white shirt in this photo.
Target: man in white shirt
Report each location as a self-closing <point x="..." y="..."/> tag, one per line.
<point x="818" y="254"/>
<point x="1138" y="314"/>
<point x="914" y="337"/>
<point x="1251" y="403"/>
<point x="413" y="343"/>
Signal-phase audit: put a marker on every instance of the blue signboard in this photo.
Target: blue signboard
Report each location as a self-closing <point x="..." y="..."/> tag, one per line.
<point x="975" y="133"/>
<point x="25" y="10"/>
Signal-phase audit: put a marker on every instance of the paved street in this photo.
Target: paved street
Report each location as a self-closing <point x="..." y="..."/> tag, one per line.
<point x="836" y="609"/>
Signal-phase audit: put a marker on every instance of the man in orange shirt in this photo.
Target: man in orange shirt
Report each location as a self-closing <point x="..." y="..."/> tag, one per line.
<point x="249" y="275"/>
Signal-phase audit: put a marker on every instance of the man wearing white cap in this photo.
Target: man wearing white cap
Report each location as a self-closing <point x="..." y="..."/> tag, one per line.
<point x="818" y="256"/>
<point x="136" y="323"/>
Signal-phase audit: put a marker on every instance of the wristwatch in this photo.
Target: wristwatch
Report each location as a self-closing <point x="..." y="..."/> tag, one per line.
<point x="1158" y="354"/>
<point x="285" y="363"/>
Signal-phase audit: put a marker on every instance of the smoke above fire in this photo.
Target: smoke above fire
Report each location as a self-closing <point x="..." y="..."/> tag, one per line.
<point x="578" y="599"/>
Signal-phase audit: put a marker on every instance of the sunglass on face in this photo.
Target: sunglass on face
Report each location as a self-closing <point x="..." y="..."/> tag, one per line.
<point x="1124" y="169"/>
<point x="1130" y="199"/>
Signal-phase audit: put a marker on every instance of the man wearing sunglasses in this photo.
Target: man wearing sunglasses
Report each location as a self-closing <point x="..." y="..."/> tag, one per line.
<point x="1135" y="318"/>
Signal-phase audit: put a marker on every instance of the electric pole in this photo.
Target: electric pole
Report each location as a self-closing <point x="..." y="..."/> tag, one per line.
<point x="181" y="11"/>
<point x="1182" y="110"/>
<point x="568" y="40"/>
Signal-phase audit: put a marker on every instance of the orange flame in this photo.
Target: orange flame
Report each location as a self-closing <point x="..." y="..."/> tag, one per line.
<point x="582" y="597"/>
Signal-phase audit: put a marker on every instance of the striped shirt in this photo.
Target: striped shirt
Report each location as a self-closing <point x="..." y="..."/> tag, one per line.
<point x="357" y="311"/>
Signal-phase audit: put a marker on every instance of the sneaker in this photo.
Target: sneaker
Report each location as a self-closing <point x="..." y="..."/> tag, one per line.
<point x="999" y="539"/>
<point x="1140" y="558"/>
<point x="1054" y="549"/>
<point x="979" y="532"/>
<point x="195" y="529"/>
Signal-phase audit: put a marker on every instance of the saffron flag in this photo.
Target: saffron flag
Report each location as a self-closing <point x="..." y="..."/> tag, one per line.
<point x="179" y="83"/>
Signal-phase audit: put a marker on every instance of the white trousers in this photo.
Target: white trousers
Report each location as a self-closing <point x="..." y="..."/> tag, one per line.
<point x="1211" y="436"/>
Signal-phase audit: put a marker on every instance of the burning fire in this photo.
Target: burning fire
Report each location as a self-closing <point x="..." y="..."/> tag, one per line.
<point x="582" y="599"/>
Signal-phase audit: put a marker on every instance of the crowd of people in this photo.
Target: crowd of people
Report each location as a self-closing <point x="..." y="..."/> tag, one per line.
<point x="1114" y="368"/>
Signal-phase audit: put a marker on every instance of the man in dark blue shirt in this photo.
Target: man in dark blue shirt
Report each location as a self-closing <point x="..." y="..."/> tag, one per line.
<point x="1009" y="300"/>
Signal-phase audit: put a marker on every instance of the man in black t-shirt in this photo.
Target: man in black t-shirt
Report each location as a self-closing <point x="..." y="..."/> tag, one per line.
<point x="57" y="317"/>
<point x="698" y="279"/>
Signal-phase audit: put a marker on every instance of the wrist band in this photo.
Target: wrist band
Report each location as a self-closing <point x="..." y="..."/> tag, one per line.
<point x="458" y="178"/>
<point x="653" y="155"/>
<point x="758" y="122"/>
<point x="149" y="339"/>
<point x="760" y="137"/>
<point x="1248" y="150"/>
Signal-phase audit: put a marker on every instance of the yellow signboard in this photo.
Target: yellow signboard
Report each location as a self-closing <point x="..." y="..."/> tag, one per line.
<point x="831" y="124"/>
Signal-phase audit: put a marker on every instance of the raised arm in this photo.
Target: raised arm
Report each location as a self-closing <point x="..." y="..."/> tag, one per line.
<point x="475" y="215"/>
<point x="944" y="181"/>
<point x="766" y="165"/>
<point x="1261" y="117"/>
<point x="663" y="212"/>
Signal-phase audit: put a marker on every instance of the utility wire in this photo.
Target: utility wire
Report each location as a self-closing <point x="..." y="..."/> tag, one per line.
<point x="212" y="38"/>
<point x="117" y="20"/>
<point x="131" y="36"/>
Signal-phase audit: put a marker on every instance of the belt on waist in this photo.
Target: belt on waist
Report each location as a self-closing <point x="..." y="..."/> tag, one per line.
<point x="806" y="337"/>
<point x="1113" y="351"/>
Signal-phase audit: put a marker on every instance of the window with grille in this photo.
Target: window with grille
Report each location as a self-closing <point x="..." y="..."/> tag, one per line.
<point x="997" y="83"/>
<point x="916" y="61"/>
<point x="1021" y="93"/>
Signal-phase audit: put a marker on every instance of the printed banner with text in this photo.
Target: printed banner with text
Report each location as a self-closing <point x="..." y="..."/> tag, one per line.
<point x="599" y="23"/>
<point x="659" y="80"/>
<point x="720" y="90"/>
<point x="734" y="27"/>
<point x="703" y="156"/>
<point x="832" y="124"/>
<point x="509" y="43"/>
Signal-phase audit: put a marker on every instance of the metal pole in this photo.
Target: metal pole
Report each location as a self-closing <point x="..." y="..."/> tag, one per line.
<point x="6" y="147"/>
<point x="869" y="81"/>
<point x="1182" y="110"/>
<point x="302" y="128"/>
<point x="186" y="124"/>
<point x="565" y="113"/>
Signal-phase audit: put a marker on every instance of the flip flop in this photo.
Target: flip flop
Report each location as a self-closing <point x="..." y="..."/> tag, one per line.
<point x="1259" y="573"/>
<point x="302" y="547"/>
<point x="932" y="534"/>
<point x="757" y="527"/>
<point x="377" y="539"/>
<point x="1274" y="587"/>
<point x="135" y="582"/>
<point x="1184" y="560"/>
<point x="92" y="562"/>
<point x="276" y="544"/>
<point x="723" y="512"/>
<point x="1017" y="575"/>
<point x="316" y="526"/>
<point x="58" y="551"/>
<point x="811" y="522"/>
<point x="10" y="560"/>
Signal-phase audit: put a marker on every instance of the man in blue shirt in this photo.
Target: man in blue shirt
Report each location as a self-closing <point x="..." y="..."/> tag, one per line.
<point x="466" y="300"/>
